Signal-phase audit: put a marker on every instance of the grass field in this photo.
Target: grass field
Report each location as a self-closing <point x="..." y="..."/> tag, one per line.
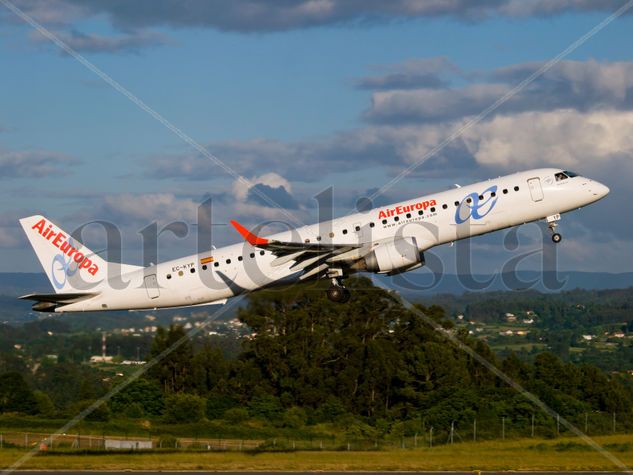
<point x="525" y="454"/>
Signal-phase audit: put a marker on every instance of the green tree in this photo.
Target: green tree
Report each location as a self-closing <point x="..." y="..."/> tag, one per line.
<point x="174" y="371"/>
<point x="183" y="408"/>
<point x="143" y="392"/>
<point x="15" y="394"/>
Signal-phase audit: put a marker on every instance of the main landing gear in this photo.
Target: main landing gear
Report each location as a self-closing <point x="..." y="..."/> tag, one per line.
<point x="337" y="293"/>
<point x="552" y="224"/>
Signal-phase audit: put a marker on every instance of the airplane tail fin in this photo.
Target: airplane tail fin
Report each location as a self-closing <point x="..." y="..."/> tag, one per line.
<point x="69" y="265"/>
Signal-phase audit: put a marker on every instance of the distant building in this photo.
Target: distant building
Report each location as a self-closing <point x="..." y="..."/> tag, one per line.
<point x="588" y="337"/>
<point x="100" y="359"/>
<point x="528" y="321"/>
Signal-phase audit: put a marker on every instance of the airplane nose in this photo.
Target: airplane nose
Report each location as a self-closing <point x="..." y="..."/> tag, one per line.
<point x="600" y="190"/>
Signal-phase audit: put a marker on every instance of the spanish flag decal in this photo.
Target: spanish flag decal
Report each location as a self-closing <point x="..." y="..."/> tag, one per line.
<point x="206" y="260"/>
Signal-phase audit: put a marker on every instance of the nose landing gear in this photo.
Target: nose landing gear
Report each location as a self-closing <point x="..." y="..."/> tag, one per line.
<point x="552" y="224"/>
<point x="337" y="293"/>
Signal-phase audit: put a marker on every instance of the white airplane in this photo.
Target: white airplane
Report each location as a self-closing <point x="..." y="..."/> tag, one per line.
<point x="386" y="240"/>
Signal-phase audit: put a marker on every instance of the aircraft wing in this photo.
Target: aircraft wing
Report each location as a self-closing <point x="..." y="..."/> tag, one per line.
<point x="312" y="258"/>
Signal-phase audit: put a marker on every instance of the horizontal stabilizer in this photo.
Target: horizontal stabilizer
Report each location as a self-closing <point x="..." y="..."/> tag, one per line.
<point x="49" y="302"/>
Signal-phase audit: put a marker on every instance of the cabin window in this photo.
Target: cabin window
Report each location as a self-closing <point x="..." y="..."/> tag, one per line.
<point x="216" y="264"/>
<point x="261" y="253"/>
<point x="444" y="206"/>
<point x="384" y="221"/>
<point x="481" y="197"/>
<point x="457" y="203"/>
<point x="307" y="241"/>
<point x="493" y="194"/>
<point x="357" y="228"/>
<point x="516" y="188"/>
<point x="180" y="273"/>
<point x="371" y="225"/>
<point x="168" y="276"/>
<point x="239" y="258"/>
<point x="421" y="212"/>
<point x="228" y="261"/>
<point x="469" y="200"/>
<point x="318" y="238"/>
<point x="331" y="235"/>
<point x="505" y="191"/>
<point x="204" y="267"/>
<point x="344" y="231"/>
<point x="253" y="254"/>
<point x="433" y="210"/>
<point x="193" y="270"/>
<point x="396" y="218"/>
<point x="560" y="176"/>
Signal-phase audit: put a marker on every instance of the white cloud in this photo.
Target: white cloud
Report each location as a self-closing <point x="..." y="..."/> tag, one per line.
<point x="92" y="43"/>
<point x="34" y="164"/>
<point x="560" y="137"/>
<point x="240" y="190"/>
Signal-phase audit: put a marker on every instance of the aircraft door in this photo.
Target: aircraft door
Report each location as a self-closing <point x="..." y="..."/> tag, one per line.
<point x="151" y="286"/>
<point x="535" y="189"/>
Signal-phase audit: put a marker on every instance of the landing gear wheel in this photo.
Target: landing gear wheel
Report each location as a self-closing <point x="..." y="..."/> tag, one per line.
<point x="338" y="294"/>
<point x="556" y="237"/>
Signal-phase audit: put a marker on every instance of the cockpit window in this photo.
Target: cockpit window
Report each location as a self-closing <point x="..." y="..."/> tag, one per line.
<point x="560" y="176"/>
<point x="570" y="174"/>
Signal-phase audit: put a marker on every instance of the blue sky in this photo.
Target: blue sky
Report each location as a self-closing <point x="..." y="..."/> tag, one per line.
<point x="306" y="95"/>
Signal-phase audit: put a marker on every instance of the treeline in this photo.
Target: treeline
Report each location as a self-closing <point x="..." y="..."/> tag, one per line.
<point x="579" y="310"/>
<point x="371" y="366"/>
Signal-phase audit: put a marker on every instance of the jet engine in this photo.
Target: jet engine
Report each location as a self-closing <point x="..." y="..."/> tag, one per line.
<point x="394" y="256"/>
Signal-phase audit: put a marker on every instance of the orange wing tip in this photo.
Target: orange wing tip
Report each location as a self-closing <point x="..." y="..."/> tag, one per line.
<point x="252" y="239"/>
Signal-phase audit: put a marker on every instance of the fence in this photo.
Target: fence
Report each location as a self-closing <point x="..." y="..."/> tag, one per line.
<point x="424" y="435"/>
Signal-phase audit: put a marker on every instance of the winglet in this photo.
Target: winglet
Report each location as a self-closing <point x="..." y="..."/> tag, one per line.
<point x="253" y="239"/>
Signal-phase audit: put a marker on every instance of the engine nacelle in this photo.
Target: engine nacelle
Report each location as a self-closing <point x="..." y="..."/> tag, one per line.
<point x="394" y="256"/>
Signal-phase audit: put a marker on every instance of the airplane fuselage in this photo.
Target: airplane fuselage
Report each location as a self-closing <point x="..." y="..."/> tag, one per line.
<point x="431" y="220"/>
